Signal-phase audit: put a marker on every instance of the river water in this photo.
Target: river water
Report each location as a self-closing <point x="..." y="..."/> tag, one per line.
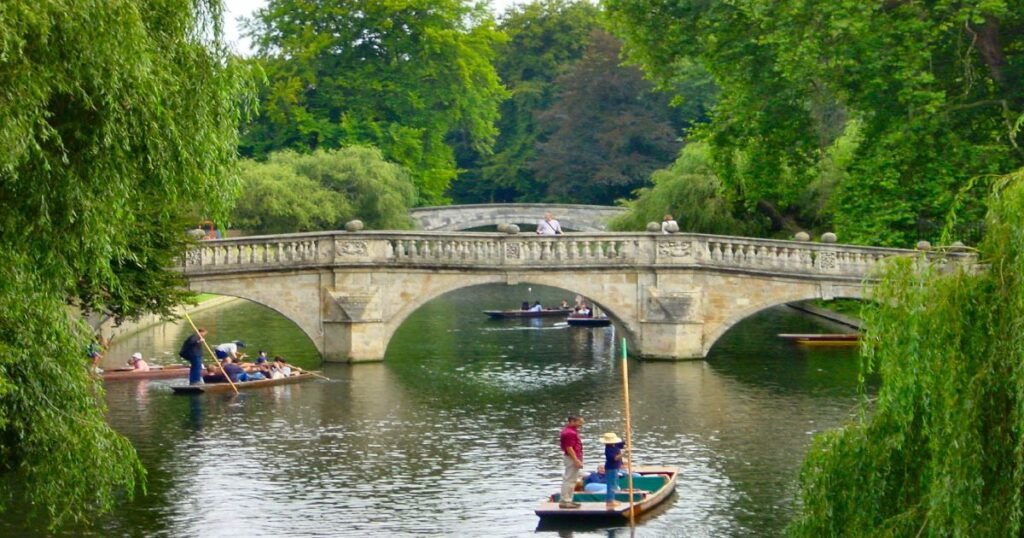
<point x="455" y="433"/>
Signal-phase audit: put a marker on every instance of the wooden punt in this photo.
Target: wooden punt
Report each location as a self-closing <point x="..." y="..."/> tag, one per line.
<point x="242" y="385"/>
<point x="839" y="339"/>
<point x="580" y="321"/>
<point x="126" y="374"/>
<point x="507" y="314"/>
<point x="650" y="489"/>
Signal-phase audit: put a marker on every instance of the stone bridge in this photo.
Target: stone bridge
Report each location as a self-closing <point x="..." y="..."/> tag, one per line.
<point x="675" y="295"/>
<point x="576" y="217"/>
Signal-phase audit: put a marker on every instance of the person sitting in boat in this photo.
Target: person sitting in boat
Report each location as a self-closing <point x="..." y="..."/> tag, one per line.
<point x="237" y="373"/>
<point x="280" y="368"/>
<point x="525" y="305"/>
<point x="137" y="363"/>
<point x="583" y="311"/>
<point x="536" y="307"/>
<point x="262" y="365"/>
<point x="229" y="350"/>
<point x="564" y="305"/>
<point x="597" y="481"/>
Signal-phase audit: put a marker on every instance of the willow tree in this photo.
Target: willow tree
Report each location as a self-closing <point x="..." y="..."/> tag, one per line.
<point x="942" y="451"/>
<point x="118" y="123"/>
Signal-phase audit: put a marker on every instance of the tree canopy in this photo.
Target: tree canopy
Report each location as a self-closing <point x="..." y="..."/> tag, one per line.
<point x="293" y="192"/>
<point x="605" y="132"/>
<point x="544" y="38"/>
<point x="119" y="125"/>
<point x="932" y="90"/>
<point x="399" y="75"/>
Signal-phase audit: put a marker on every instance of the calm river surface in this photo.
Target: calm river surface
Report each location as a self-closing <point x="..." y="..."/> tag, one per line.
<point x="455" y="433"/>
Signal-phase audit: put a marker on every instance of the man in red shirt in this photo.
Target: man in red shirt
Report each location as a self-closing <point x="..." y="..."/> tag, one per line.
<point x="572" y="452"/>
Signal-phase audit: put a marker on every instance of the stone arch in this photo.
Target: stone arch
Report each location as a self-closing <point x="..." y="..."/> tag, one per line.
<point x="284" y="305"/>
<point x="716" y="333"/>
<point x="461" y="281"/>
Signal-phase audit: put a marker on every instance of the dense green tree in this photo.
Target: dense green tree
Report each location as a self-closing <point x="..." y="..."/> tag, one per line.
<point x="934" y="89"/>
<point x="118" y="126"/>
<point x="293" y="192"/>
<point x="399" y="75"/>
<point x="690" y="192"/>
<point x="545" y="37"/>
<point x="606" y="131"/>
<point x="939" y="451"/>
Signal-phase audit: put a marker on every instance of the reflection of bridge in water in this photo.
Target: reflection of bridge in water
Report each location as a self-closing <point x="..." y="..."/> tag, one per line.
<point x="675" y="295"/>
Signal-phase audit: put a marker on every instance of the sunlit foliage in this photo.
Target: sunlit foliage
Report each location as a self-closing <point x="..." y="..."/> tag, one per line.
<point x="118" y="128"/>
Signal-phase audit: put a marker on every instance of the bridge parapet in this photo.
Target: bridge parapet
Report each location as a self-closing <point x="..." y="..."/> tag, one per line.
<point x="489" y="251"/>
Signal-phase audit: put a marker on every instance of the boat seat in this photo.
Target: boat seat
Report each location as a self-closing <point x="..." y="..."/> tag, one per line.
<point x="582" y="497"/>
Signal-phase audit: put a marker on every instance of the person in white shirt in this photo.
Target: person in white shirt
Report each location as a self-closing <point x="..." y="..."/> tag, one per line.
<point x="669" y="225"/>
<point x="549" y="226"/>
<point x="229" y="350"/>
<point x="536" y="307"/>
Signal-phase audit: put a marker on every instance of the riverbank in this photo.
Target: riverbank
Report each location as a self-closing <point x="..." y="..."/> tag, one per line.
<point x="110" y="331"/>
<point x="825" y="313"/>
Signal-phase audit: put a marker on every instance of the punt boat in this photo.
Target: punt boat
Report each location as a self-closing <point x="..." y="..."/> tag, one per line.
<point x="651" y="488"/>
<point x="581" y="321"/>
<point x="126" y="374"/>
<point x="507" y="314"/>
<point x="243" y="385"/>
<point x="839" y="339"/>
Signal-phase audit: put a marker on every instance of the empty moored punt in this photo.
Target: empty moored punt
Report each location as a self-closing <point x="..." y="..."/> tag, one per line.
<point x="650" y="489"/>
<point x="166" y="372"/>
<point x="242" y="385"/>
<point x="839" y="339"/>
<point x="580" y="321"/>
<point x="550" y="312"/>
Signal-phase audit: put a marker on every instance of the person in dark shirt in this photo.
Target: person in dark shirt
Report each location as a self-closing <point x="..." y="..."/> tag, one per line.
<point x="613" y="446"/>
<point x="192" y="351"/>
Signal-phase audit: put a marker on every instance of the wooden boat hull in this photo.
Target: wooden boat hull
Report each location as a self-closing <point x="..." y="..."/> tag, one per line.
<point x="838" y="340"/>
<point x="167" y="372"/>
<point x="203" y="388"/>
<point x="592" y="505"/>
<point x="508" y="314"/>
<point x="588" y="322"/>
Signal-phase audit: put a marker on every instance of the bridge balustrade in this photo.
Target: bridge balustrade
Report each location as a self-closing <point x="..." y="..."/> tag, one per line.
<point x="489" y="250"/>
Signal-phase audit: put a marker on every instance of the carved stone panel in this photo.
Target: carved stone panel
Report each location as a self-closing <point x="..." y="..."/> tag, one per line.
<point x="343" y="306"/>
<point x="512" y="251"/>
<point x="351" y="248"/>
<point x="827" y="262"/>
<point x="674" y="249"/>
<point x="671" y="306"/>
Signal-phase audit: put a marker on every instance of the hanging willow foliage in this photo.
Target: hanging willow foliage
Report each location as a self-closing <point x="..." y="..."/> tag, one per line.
<point x="940" y="452"/>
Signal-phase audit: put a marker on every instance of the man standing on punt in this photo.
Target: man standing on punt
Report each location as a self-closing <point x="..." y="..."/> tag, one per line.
<point x="192" y="351"/>
<point x="572" y="452"/>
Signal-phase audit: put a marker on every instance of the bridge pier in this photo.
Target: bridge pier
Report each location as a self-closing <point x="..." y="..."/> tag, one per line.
<point x="675" y="341"/>
<point x="349" y="341"/>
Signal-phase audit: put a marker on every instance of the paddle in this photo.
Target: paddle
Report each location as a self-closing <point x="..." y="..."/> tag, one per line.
<point x="629" y="436"/>
<point x="212" y="354"/>
<point x="314" y="374"/>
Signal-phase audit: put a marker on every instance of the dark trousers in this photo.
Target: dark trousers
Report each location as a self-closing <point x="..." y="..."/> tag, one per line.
<point x="195" y="371"/>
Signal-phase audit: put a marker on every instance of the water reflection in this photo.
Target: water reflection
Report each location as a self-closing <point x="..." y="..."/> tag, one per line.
<point x="455" y="434"/>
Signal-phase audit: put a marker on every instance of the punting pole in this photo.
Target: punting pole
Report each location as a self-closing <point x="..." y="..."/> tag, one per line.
<point x="212" y="354"/>
<point x="629" y="435"/>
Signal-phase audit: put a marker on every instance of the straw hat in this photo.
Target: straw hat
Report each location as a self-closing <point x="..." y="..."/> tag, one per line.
<point x="610" y="438"/>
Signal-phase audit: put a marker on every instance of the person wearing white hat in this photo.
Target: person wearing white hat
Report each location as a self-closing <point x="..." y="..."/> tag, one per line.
<point x="137" y="363"/>
<point x="613" y="446"/>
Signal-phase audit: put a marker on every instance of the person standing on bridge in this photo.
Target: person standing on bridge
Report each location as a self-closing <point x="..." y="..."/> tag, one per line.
<point x="549" y="226"/>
